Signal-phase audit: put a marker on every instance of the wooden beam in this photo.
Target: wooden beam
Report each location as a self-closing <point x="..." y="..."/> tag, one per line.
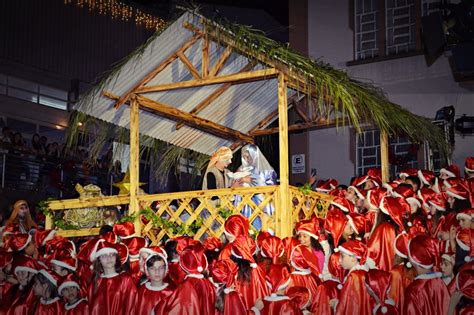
<point x="205" y="57"/>
<point x="223" y="58"/>
<point x="230" y="78"/>
<point x="189" y="65"/>
<point x="284" y="224"/>
<point x="385" y="165"/>
<point x="134" y="165"/>
<point x="194" y="121"/>
<point x="157" y="70"/>
<point x="303" y="126"/>
<point x="214" y="95"/>
<point x="301" y="111"/>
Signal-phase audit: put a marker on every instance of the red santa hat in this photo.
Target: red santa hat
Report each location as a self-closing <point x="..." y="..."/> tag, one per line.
<point x="361" y="193"/>
<point x="192" y="260"/>
<point x="426" y="176"/>
<point x="87" y="250"/>
<point x="458" y="191"/>
<point x="449" y="256"/>
<point x="65" y="260"/>
<point x="335" y="269"/>
<point x="359" y="181"/>
<point x="438" y="201"/>
<point x="375" y="175"/>
<point x="243" y="248"/>
<point x="25" y="263"/>
<point x="124" y="230"/>
<point x="182" y="242"/>
<point x="59" y="243"/>
<point x="307" y="227"/>
<point x="355" y="249"/>
<point x="51" y="276"/>
<point x="467" y="214"/>
<point x="70" y="281"/>
<point x="289" y="243"/>
<point x="278" y="277"/>
<point x="465" y="283"/>
<point x="336" y="192"/>
<point x="464" y="239"/>
<point x="335" y="223"/>
<point x="343" y="204"/>
<point x="390" y="186"/>
<point x="408" y="172"/>
<point x="400" y="244"/>
<point x="423" y="251"/>
<point x="303" y="259"/>
<point x="272" y="247"/>
<point x="425" y="194"/>
<point x="18" y="242"/>
<point x="396" y="208"/>
<point x="6" y="258"/>
<point x="110" y="237"/>
<point x="325" y="186"/>
<point x="378" y="283"/>
<point x="358" y="222"/>
<point x="42" y="236"/>
<point x="223" y="272"/>
<point x="212" y="244"/>
<point x="134" y="244"/>
<point x="236" y="225"/>
<point x="469" y="164"/>
<point x="154" y="250"/>
<point x="448" y="222"/>
<point x="451" y="171"/>
<point x="104" y="248"/>
<point x="300" y="295"/>
<point x="261" y="236"/>
<point x="374" y="197"/>
<point x="408" y="194"/>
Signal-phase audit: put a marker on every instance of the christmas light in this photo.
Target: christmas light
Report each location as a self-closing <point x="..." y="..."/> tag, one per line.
<point x="119" y="11"/>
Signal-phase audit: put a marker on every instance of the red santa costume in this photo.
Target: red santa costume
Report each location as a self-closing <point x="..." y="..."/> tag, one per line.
<point x="306" y="270"/>
<point x="302" y="297"/>
<point x="329" y="289"/>
<point x="427" y="294"/>
<point x="354" y="297"/>
<point x="278" y="279"/>
<point x="150" y="296"/>
<point x="465" y="285"/>
<point x="378" y="285"/>
<point x="23" y="299"/>
<point x="380" y="245"/>
<point x="134" y="244"/>
<point x="84" y="261"/>
<point x="255" y="288"/>
<point x="80" y="306"/>
<point x="271" y="247"/>
<point x="115" y="293"/>
<point x="223" y="274"/>
<point x="372" y="201"/>
<point x="402" y="274"/>
<point x="312" y="228"/>
<point x="235" y="226"/>
<point x="52" y="306"/>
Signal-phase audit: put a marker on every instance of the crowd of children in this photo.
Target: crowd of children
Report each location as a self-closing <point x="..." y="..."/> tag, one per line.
<point x="403" y="247"/>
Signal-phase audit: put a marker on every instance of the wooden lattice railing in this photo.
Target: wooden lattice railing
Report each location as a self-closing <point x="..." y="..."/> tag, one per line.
<point x="202" y="213"/>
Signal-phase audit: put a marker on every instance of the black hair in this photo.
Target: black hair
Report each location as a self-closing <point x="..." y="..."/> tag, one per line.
<point x="463" y="303"/>
<point x="381" y="218"/>
<point x="104" y="229"/>
<point x="51" y="288"/>
<point x="459" y="205"/>
<point x="459" y="258"/>
<point x="244" y="269"/>
<point x="211" y="256"/>
<point x="416" y="180"/>
<point x="405" y="185"/>
<point x="170" y="248"/>
<point x="152" y="260"/>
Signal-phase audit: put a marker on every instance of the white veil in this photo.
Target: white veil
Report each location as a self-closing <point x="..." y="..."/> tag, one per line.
<point x="259" y="163"/>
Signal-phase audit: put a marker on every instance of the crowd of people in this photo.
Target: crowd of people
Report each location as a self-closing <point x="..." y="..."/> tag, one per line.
<point x="402" y="247"/>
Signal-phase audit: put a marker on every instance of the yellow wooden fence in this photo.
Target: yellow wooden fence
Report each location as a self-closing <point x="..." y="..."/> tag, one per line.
<point x="209" y="208"/>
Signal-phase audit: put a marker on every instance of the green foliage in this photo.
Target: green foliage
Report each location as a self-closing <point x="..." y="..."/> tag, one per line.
<point x="224" y="213"/>
<point x="305" y="189"/>
<point x="58" y="221"/>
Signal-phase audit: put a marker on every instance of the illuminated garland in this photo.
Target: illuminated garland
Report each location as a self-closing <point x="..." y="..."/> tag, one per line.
<point x="118" y="10"/>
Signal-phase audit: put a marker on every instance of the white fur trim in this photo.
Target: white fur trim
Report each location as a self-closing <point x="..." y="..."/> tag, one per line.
<point x="104" y="251"/>
<point x="439" y="208"/>
<point x="462" y="245"/>
<point x="308" y="233"/>
<point x="409" y="265"/>
<point x="235" y="255"/>
<point x="71" y="306"/>
<point x="68" y="284"/>
<point x="449" y="258"/>
<point x="409" y="224"/>
<point x="42" y="301"/>
<point x="336" y="250"/>
<point x="199" y="269"/>
<point x="274" y="298"/>
<point x="464" y="215"/>
<point x="27" y="269"/>
<point x="301" y="272"/>
<point x="49" y="237"/>
<point x="255" y="310"/>
<point x="423" y="179"/>
<point x="284" y="285"/>
<point x="28" y="240"/>
<point x="152" y="288"/>
<point x="454" y="195"/>
<point x="357" y="192"/>
<point x="468" y="169"/>
<point x="427" y="276"/>
<point x="127" y="237"/>
<point x="112" y="275"/>
<point x="412" y="200"/>
<point x="351" y="223"/>
<point x="253" y="265"/>
<point x="339" y="286"/>
<point x="445" y="171"/>
<point x="348" y="252"/>
<point x="194" y="275"/>
<point x="48" y="276"/>
<point x="62" y="264"/>
<point x="340" y="206"/>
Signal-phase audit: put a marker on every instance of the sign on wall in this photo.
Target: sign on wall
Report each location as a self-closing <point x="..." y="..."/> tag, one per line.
<point x="298" y="164"/>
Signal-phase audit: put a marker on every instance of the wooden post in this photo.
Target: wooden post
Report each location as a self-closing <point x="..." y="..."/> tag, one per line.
<point x="283" y="213"/>
<point x="384" y="156"/>
<point x="134" y="161"/>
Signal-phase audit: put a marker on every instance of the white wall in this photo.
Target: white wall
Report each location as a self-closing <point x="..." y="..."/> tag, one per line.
<point x="406" y="81"/>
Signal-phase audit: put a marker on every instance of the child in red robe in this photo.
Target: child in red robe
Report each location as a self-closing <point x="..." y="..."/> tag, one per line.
<point x="155" y="291"/>
<point x="45" y="287"/>
<point x="427" y="294"/>
<point x="71" y="291"/>
<point x="23" y="298"/>
<point x="112" y="291"/>
<point x="354" y="297"/>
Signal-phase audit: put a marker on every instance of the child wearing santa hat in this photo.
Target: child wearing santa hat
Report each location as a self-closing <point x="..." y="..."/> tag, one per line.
<point x="427" y="294"/>
<point x="378" y="286"/>
<point x="447" y="269"/>
<point x="462" y="300"/>
<point x="112" y="291"/>
<point x="74" y="295"/>
<point x="23" y="299"/>
<point x="155" y="291"/>
<point x="45" y="287"/>
<point x="354" y="297"/>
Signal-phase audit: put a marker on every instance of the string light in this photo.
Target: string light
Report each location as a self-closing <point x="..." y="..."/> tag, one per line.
<point x="119" y="11"/>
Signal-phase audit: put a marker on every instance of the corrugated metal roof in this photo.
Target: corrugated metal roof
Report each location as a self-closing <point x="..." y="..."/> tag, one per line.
<point x="240" y="107"/>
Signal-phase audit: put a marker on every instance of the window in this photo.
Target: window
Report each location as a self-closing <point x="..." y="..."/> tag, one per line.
<point x="366" y="29"/>
<point x="430" y="6"/>
<point x="402" y="153"/>
<point x="400" y="26"/>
